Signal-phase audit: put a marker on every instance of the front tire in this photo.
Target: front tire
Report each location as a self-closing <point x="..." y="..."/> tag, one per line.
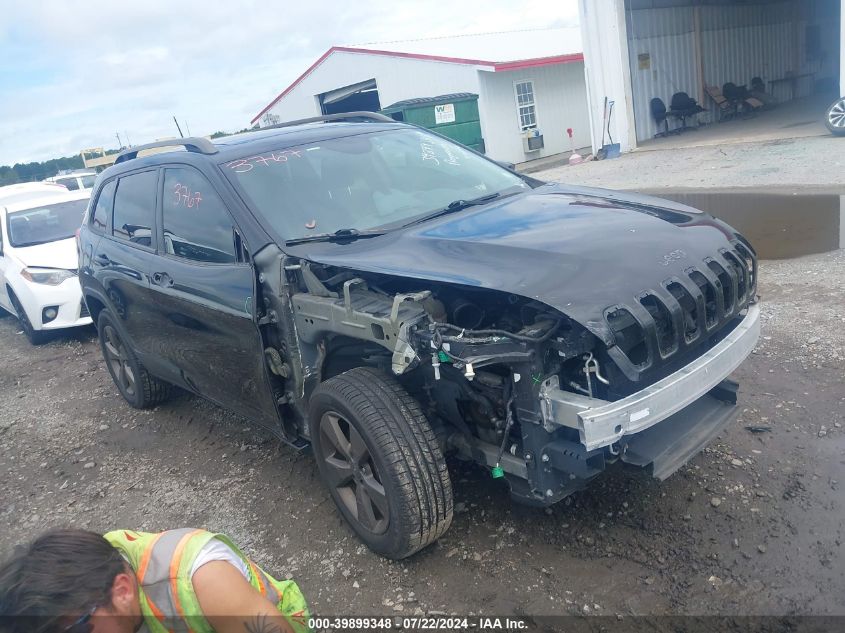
<point x="140" y="389"/>
<point x="380" y="459"/>
<point x="36" y="337"/>
<point x="835" y="117"/>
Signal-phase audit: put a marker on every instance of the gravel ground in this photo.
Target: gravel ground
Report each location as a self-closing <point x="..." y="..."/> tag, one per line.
<point x="807" y="163"/>
<point x="754" y="525"/>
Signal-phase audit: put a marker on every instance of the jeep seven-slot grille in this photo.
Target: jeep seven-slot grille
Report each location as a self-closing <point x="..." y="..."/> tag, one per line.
<point x="660" y="322"/>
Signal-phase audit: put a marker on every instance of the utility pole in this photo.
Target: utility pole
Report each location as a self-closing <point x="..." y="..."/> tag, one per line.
<point x="128" y="140"/>
<point x="177" y="127"/>
<point x="119" y="142"/>
<point x="187" y="127"/>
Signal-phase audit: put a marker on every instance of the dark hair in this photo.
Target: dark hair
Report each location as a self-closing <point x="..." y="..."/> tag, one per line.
<point x="61" y="573"/>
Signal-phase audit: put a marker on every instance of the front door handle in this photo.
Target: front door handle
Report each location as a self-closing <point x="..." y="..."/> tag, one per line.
<point x="162" y="279"/>
<point x="102" y="259"/>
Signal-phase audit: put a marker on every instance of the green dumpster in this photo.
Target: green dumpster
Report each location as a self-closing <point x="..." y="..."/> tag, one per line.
<point x="454" y="116"/>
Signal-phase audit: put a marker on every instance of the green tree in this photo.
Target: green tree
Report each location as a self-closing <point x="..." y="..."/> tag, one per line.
<point x="220" y="133"/>
<point x="34" y="171"/>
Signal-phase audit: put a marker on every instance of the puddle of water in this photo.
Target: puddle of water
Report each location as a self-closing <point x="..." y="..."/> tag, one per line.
<point x="779" y="226"/>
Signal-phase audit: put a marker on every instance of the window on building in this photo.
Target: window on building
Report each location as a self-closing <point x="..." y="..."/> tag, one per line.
<point x="134" y="208"/>
<point x="525" y="105"/>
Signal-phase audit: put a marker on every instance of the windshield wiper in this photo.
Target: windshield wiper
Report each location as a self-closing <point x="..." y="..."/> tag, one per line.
<point x="341" y="235"/>
<point x="455" y="206"/>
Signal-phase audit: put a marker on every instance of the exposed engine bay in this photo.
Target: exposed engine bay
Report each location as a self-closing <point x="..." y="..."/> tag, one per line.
<point x="448" y="332"/>
<point x="481" y="362"/>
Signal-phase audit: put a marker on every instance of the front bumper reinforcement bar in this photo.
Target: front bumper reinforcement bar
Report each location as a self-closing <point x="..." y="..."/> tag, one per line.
<point x="602" y="423"/>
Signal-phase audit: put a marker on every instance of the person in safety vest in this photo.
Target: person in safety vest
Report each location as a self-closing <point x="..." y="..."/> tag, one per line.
<point x="185" y="580"/>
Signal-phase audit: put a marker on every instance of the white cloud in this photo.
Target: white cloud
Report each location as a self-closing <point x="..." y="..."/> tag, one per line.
<point x="74" y="74"/>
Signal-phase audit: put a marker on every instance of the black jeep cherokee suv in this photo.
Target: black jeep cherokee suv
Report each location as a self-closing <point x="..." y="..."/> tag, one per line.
<point x="386" y="296"/>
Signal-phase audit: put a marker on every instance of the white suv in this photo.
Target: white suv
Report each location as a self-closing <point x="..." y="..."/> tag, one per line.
<point x="38" y="258"/>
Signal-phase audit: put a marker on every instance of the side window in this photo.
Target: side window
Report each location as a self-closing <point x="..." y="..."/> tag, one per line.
<point x="102" y="212"/>
<point x="197" y="225"/>
<point x="70" y="183"/>
<point x="88" y="181"/>
<point x="134" y="208"/>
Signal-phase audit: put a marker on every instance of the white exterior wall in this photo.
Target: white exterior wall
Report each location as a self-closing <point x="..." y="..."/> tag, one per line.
<point x="396" y="79"/>
<point x="606" y="68"/>
<point x="560" y="98"/>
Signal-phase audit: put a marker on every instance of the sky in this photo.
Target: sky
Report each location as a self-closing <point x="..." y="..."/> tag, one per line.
<point x="75" y="74"/>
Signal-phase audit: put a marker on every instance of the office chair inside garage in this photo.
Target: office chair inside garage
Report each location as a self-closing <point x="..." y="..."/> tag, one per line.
<point x="684" y="107"/>
<point x="658" y="113"/>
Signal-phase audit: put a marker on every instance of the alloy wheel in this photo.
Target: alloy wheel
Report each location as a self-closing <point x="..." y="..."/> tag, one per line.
<point x="118" y="360"/>
<point x="836" y="114"/>
<point x="351" y="471"/>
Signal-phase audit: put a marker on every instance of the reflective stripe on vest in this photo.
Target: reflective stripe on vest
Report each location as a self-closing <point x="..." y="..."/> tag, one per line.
<point x="176" y="575"/>
<point x="159" y="578"/>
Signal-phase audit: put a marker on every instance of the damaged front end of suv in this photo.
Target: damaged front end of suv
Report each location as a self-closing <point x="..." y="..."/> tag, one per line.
<point x="541" y="331"/>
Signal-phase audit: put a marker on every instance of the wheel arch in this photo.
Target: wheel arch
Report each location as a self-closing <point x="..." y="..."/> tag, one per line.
<point x="95" y="306"/>
<point x="343" y="353"/>
<point x="14" y="297"/>
<point x="96" y="300"/>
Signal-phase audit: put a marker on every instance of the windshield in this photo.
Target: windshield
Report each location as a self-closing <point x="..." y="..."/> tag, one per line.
<point x="368" y="181"/>
<point x="45" y="224"/>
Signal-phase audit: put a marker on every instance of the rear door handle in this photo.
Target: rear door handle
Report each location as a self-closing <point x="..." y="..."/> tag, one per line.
<point x="162" y="279"/>
<point x="102" y="259"/>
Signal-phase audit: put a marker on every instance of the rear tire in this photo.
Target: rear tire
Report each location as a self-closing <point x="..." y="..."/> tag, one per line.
<point x="140" y="389"/>
<point x="380" y="459"/>
<point x="36" y="337"/>
<point x="834" y="118"/>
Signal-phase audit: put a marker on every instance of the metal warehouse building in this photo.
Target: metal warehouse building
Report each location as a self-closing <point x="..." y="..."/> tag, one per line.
<point x="524" y="89"/>
<point x="640" y="50"/>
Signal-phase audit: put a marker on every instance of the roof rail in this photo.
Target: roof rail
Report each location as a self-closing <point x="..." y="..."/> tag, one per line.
<point x="195" y="144"/>
<point x="342" y="116"/>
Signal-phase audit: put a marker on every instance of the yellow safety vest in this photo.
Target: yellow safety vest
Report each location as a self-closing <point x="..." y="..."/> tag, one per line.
<point x="162" y="563"/>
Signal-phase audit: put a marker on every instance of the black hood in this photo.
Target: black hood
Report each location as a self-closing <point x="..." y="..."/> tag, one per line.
<point x="579" y="250"/>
